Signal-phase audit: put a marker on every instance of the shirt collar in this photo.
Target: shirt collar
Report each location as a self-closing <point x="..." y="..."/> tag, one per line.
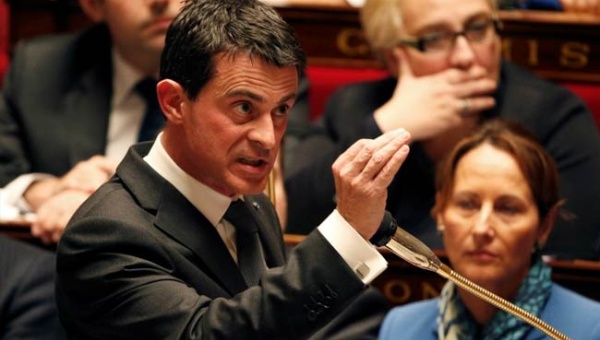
<point x="209" y="202"/>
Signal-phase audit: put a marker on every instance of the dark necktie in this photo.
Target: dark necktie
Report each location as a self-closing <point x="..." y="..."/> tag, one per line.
<point x="251" y="260"/>
<point x="153" y="119"/>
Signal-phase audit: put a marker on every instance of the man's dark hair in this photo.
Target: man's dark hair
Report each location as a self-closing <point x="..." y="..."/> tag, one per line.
<point x="205" y="28"/>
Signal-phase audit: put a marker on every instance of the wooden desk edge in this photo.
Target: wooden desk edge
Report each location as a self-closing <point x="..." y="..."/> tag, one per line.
<point x="585" y="265"/>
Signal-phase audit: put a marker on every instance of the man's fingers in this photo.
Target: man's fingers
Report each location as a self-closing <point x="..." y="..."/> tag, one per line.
<point x="350" y="154"/>
<point x="353" y="161"/>
<point x="388" y="172"/>
<point x="382" y="156"/>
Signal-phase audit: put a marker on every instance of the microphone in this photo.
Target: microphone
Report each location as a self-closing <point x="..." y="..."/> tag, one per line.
<point x="415" y="252"/>
<point x="405" y="245"/>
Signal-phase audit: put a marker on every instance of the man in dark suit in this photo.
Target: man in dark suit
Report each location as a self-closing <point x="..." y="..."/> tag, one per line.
<point x="27" y="306"/>
<point x="67" y="114"/>
<point x="69" y="109"/>
<point x="72" y="126"/>
<point x="160" y="252"/>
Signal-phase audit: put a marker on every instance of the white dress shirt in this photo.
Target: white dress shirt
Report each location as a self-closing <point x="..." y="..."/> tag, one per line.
<point x="360" y="255"/>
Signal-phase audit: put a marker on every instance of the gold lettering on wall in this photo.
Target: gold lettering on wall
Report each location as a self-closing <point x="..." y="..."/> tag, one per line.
<point x="429" y="290"/>
<point x="351" y="42"/>
<point x="396" y="291"/>
<point x="533" y="52"/>
<point x="574" y="55"/>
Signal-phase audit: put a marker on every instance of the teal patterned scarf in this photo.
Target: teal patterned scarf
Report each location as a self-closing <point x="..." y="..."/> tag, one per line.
<point x="456" y="322"/>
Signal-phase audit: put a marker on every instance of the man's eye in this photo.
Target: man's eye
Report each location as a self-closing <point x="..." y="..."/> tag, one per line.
<point x="282" y="110"/>
<point x="243" y="108"/>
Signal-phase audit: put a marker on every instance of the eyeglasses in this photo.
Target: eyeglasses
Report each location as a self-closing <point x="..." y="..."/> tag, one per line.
<point x="475" y="32"/>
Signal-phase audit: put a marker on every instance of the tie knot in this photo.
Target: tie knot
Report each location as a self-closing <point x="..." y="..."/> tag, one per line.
<point x="147" y="89"/>
<point x="240" y="216"/>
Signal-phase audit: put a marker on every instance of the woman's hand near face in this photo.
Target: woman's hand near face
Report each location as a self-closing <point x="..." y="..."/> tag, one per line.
<point x="429" y="105"/>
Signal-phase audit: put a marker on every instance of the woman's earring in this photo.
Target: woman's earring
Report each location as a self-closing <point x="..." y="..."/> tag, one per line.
<point x="441" y="228"/>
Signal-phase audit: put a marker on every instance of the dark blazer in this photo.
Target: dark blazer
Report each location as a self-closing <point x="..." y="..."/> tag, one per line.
<point x="55" y="103"/>
<point x="139" y="261"/>
<point x="560" y="119"/>
<point x="27" y="307"/>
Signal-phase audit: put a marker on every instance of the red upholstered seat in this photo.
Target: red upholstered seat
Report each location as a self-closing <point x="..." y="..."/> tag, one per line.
<point x="590" y="94"/>
<point x="325" y="80"/>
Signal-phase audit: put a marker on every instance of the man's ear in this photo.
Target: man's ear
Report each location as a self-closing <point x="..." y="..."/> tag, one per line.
<point x="172" y="99"/>
<point x="94" y="9"/>
<point x="547" y="224"/>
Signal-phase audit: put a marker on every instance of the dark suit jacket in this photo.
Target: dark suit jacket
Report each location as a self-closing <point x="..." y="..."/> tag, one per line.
<point x="55" y="103"/>
<point x="27" y="307"/>
<point x="139" y="261"/>
<point x="560" y="120"/>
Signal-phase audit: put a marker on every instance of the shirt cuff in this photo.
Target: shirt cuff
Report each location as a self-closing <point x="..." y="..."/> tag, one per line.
<point x="362" y="257"/>
<point x="12" y="194"/>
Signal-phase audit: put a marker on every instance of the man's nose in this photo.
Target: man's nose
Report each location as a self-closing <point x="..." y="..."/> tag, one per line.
<point x="263" y="131"/>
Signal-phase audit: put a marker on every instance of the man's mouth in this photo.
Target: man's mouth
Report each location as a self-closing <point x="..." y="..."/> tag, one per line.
<point x="253" y="162"/>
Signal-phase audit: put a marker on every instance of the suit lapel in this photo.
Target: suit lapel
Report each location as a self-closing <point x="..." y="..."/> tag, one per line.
<point x="178" y="218"/>
<point x="87" y="111"/>
<point x="270" y="239"/>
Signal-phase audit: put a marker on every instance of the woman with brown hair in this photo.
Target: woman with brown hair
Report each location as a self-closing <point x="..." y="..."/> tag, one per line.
<point x="497" y="200"/>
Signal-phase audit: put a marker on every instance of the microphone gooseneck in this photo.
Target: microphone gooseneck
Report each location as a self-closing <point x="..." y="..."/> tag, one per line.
<point x="415" y="252"/>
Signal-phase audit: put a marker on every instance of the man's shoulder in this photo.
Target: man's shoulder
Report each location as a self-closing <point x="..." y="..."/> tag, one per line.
<point x="70" y="50"/>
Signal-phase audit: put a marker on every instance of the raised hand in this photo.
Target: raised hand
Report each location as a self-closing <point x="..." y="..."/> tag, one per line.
<point x="362" y="175"/>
